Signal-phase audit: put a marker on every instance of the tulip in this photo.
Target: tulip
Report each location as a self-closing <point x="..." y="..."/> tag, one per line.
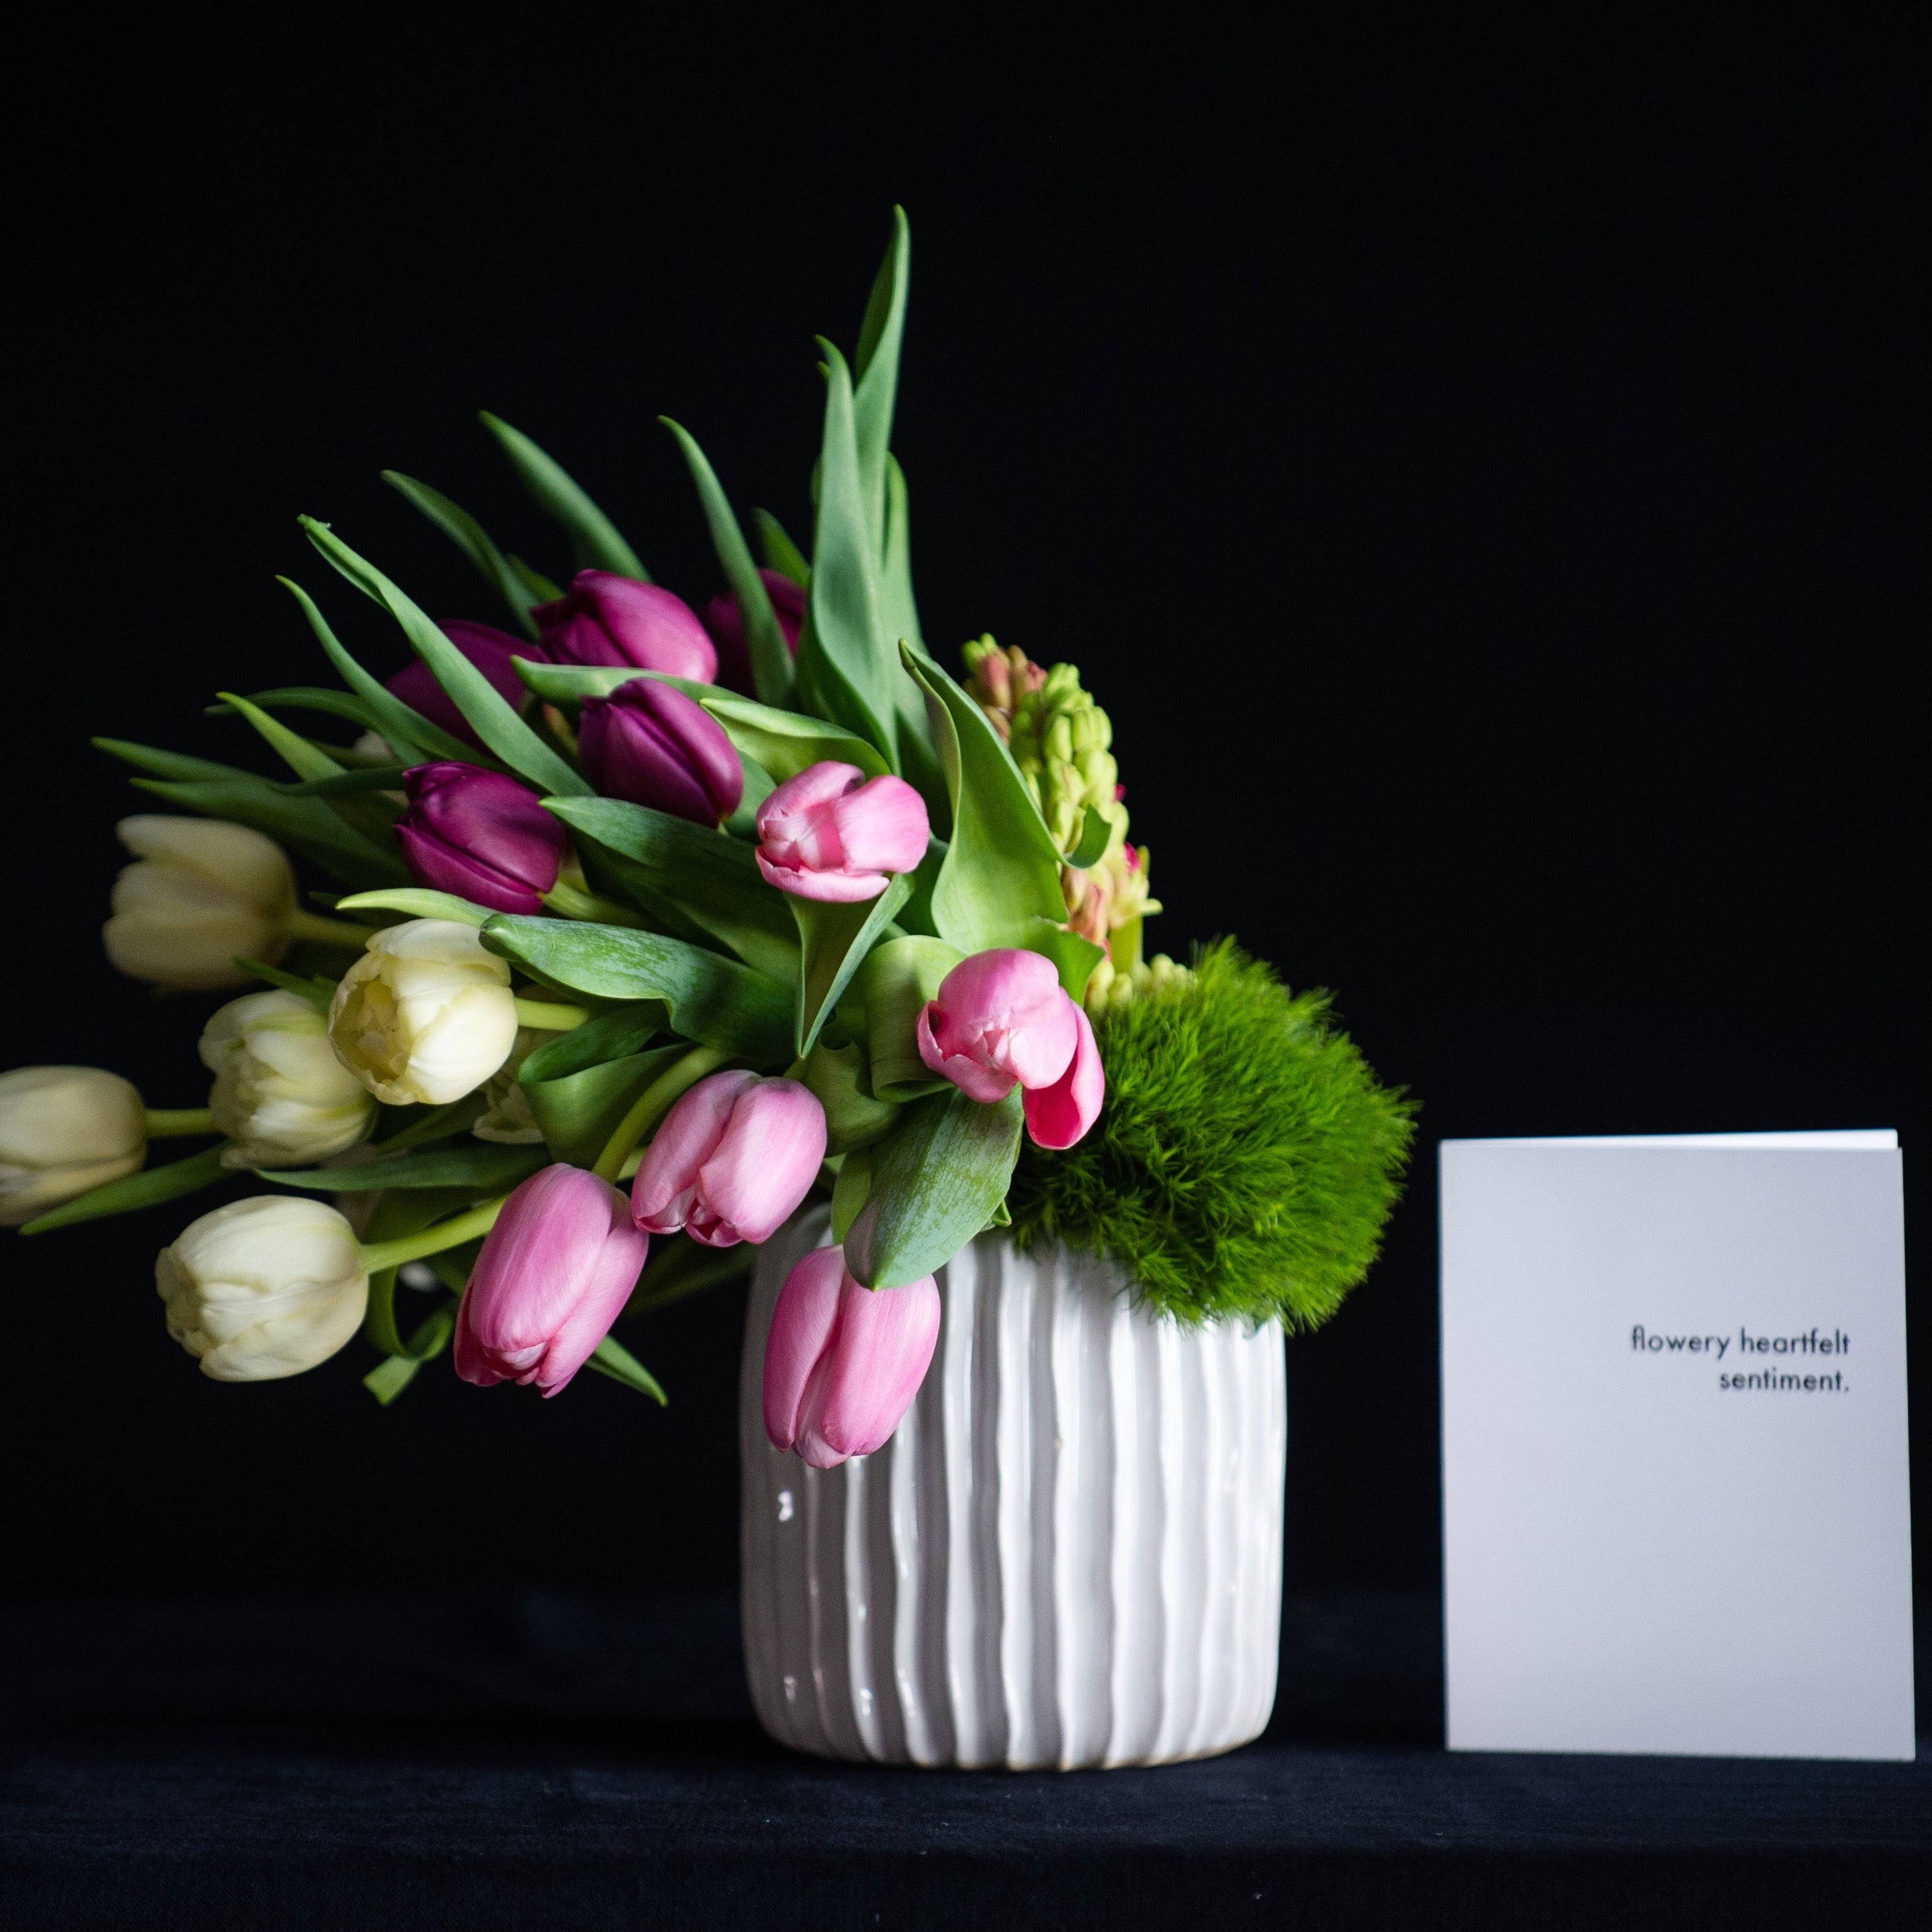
<point x="843" y="1363"/>
<point x="491" y="651"/>
<point x="726" y="623"/>
<point x="732" y="1161"/>
<point x="481" y="835"/>
<point x="650" y="744"/>
<point x="63" y="1130"/>
<point x="555" y="1272"/>
<point x="833" y="833"/>
<point x="425" y="1014"/>
<point x="606" y="619"/>
<point x="1001" y="1020"/>
<point x="281" y="1095"/>
<point x="201" y="892"/>
<point x="263" y="1288"/>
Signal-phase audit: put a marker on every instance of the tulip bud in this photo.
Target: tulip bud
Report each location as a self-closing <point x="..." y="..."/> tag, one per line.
<point x="652" y="744"/>
<point x="481" y="835"/>
<point x="833" y="833"/>
<point x="281" y="1095"/>
<point x="63" y="1130"/>
<point x="843" y="1363"/>
<point x="606" y="619"/>
<point x="555" y="1272"/>
<point x="732" y="1161"/>
<point x="202" y="891"/>
<point x="1001" y="1020"/>
<point x="491" y="651"/>
<point x="726" y="623"/>
<point x="263" y="1288"/>
<point x="426" y="1014"/>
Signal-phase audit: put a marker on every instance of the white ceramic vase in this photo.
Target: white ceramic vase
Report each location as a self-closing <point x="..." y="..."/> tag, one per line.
<point x="1069" y="1555"/>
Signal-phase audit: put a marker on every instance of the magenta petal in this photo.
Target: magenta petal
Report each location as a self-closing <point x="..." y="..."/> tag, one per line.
<point x="802" y="1327"/>
<point x="878" y="1358"/>
<point x="1059" y="1115"/>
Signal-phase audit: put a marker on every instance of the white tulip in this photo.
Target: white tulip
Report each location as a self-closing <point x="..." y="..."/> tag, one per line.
<point x="263" y="1288"/>
<point x="63" y="1130"/>
<point x="280" y="1094"/>
<point x="426" y="1014"/>
<point x="202" y="891"/>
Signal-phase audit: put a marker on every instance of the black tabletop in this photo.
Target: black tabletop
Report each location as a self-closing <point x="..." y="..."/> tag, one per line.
<point x="545" y="1761"/>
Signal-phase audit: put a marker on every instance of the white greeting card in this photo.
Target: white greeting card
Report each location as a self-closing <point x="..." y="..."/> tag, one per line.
<point x="1676" y="1516"/>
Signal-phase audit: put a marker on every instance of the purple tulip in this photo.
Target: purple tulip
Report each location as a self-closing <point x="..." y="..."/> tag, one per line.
<point x="833" y="833"/>
<point x="731" y="1162"/>
<point x="723" y="620"/>
<point x="1001" y="1020"/>
<point x="843" y="1363"/>
<point x="606" y="619"/>
<point x="490" y="651"/>
<point x="650" y="744"/>
<point x="554" y="1274"/>
<point x="479" y="835"/>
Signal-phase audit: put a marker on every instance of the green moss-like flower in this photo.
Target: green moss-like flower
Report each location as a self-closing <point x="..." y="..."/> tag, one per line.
<point x="1246" y="1158"/>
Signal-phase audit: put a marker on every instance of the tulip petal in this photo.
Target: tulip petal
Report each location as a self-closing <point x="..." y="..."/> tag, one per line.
<point x="882" y="827"/>
<point x="974" y="1079"/>
<point x="878" y="1359"/>
<point x="1059" y="1115"/>
<point x="764" y="1166"/>
<point x="832" y="888"/>
<point x="802" y="1327"/>
<point x="665" y="1188"/>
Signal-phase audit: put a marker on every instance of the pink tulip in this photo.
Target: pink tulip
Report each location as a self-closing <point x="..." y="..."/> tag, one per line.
<point x="732" y="1161"/>
<point x="491" y="651"/>
<point x="606" y="619"/>
<point x="843" y="1363"/>
<point x="1001" y="1020"/>
<point x="554" y="1274"/>
<point x="727" y="625"/>
<point x="833" y="833"/>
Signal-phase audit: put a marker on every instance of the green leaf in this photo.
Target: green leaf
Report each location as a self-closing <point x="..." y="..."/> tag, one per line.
<point x="320" y="775"/>
<point x="311" y="697"/>
<point x="900" y="975"/>
<point x="172" y="764"/>
<point x="834" y="939"/>
<point x="787" y="742"/>
<point x="850" y="1191"/>
<point x="413" y="738"/>
<point x="687" y="1268"/>
<point x="713" y="1001"/>
<point x="541" y="589"/>
<point x="493" y="716"/>
<point x="622" y="1031"/>
<point x="712" y="879"/>
<point x="1091" y="845"/>
<point x="935" y="1183"/>
<point x="781" y="554"/>
<point x="347" y="784"/>
<point x="610" y="1358"/>
<point x="595" y="544"/>
<point x="301" y="756"/>
<point x="771" y="655"/>
<point x="579" y="1112"/>
<point x="570" y="685"/>
<point x="473" y="540"/>
<point x="485" y="1167"/>
<point x="148" y="1189"/>
<point x="845" y="660"/>
<point x="419" y="902"/>
<point x="305" y="824"/>
<point x="877" y="375"/>
<point x="898" y="613"/>
<point x="319" y="993"/>
<point x="999" y="884"/>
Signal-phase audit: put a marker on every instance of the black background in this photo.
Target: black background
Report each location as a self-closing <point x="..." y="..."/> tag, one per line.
<point x="1475" y="483"/>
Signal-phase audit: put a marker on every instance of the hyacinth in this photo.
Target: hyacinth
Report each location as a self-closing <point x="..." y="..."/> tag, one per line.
<point x="1062" y="741"/>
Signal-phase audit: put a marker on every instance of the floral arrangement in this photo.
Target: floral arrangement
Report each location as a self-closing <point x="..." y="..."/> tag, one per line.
<point x="734" y="904"/>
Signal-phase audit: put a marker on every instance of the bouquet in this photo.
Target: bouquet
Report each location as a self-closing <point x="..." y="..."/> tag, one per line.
<point x="725" y="907"/>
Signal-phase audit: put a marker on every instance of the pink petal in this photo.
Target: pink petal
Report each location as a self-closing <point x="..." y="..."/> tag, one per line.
<point x="882" y="827"/>
<point x="839" y="888"/>
<point x="809" y="792"/>
<point x="878" y="1357"/>
<point x="766" y="1162"/>
<point x="971" y="1076"/>
<point x="802" y="1326"/>
<point x="666" y="1185"/>
<point x="1059" y="1115"/>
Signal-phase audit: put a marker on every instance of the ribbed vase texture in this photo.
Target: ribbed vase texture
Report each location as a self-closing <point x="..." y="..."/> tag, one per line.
<point x="1068" y="1555"/>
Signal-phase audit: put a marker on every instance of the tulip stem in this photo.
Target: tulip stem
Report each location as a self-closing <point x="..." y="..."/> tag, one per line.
<point x="574" y="905"/>
<point x="173" y="1123"/>
<point x="377" y="1256"/>
<point x="551" y="1016"/>
<point x="342" y="932"/>
<point x="653" y="1103"/>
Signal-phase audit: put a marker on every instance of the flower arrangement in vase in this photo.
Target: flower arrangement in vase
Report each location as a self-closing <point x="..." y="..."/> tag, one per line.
<point x="756" y="909"/>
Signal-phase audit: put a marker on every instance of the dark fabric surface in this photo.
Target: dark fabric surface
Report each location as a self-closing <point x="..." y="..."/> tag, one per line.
<point x="539" y="1761"/>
